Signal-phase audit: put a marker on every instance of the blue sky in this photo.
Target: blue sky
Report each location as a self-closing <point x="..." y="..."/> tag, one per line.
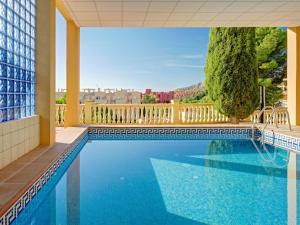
<point x="161" y="59"/>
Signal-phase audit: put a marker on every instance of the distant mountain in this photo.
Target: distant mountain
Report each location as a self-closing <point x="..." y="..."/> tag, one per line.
<point x="198" y="86"/>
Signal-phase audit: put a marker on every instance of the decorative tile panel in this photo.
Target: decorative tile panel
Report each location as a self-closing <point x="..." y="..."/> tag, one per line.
<point x="282" y="140"/>
<point x="129" y="133"/>
<point x="17" y="59"/>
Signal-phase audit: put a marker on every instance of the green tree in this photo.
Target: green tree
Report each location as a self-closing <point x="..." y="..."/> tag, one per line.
<point x="231" y="71"/>
<point x="273" y="93"/>
<point x="205" y="99"/>
<point x="194" y="99"/>
<point x="271" y="50"/>
<point x="148" y="99"/>
<point x="61" y="100"/>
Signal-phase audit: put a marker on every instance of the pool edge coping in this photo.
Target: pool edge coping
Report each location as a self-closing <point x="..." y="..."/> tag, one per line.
<point x="33" y="186"/>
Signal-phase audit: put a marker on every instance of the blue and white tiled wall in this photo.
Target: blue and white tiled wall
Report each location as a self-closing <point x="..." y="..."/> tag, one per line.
<point x="282" y="140"/>
<point x="108" y="133"/>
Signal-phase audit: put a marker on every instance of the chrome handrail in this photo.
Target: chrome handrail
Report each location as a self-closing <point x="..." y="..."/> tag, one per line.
<point x="270" y="158"/>
<point x="262" y="139"/>
<point x="258" y="117"/>
<point x="274" y="113"/>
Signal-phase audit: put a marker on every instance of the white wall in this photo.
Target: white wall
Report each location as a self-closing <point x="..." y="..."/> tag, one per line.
<point x="18" y="137"/>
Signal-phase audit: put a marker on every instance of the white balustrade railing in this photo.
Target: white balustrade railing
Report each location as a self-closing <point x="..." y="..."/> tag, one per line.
<point x="128" y="114"/>
<point x="281" y="114"/>
<point x="60" y="114"/>
<point x="199" y="114"/>
<point x="155" y="114"/>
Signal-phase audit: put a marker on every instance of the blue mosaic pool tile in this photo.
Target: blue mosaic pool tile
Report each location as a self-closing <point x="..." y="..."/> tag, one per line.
<point x="108" y="133"/>
<point x="282" y="140"/>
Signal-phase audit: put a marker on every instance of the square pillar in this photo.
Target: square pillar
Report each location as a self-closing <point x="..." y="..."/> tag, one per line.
<point x="73" y="74"/>
<point x="45" y="69"/>
<point x="293" y="74"/>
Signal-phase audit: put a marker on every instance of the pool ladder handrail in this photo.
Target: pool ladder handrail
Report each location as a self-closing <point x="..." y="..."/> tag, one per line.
<point x="270" y="158"/>
<point x="262" y="139"/>
<point x="274" y="113"/>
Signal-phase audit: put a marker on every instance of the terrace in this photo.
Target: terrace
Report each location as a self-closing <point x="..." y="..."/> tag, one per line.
<point x="37" y="136"/>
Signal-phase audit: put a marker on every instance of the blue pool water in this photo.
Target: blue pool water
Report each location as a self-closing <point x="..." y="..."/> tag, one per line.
<point x="170" y="182"/>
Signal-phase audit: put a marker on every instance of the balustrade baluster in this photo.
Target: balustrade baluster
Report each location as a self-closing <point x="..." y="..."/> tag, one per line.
<point x="192" y="114"/>
<point x="169" y="115"/>
<point x="162" y="115"/>
<point x="208" y="114"/>
<point x="146" y="115"/>
<point x="98" y="114"/>
<point x="57" y="115"/>
<point x="118" y="115"/>
<point x="127" y="113"/>
<point x="158" y="115"/>
<point x="109" y="113"/>
<point x="123" y="115"/>
<point x="214" y="115"/>
<point x="179" y="114"/>
<point x="187" y="114"/>
<point x="196" y="118"/>
<point x="63" y="115"/>
<point x="151" y="115"/>
<point x="155" y="115"/>
<point x="104" y="115"/>
<point x="133" y="116"/>
<point x="82" y="114"/>
<point x="140" y="115"/>
<point x="200" y="114"/>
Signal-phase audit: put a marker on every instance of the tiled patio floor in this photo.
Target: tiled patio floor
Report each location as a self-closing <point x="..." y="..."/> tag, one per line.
<point x="22" y="173"/>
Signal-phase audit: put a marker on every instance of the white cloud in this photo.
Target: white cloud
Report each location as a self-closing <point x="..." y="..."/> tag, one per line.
<point x="183" y="65"/>
<point x="192" y="56"/>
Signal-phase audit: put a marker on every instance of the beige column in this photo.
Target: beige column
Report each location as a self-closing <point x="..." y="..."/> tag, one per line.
<point x="45" y="69"/>
<point x="73" y="74"/>
<point x="293" y="74"/>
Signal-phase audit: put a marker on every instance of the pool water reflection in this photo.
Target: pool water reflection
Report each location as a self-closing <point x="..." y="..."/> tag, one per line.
<point x="172" y="182"/>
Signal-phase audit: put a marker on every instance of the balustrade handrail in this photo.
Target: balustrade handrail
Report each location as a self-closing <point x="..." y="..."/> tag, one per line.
<point x="152" y="114"/>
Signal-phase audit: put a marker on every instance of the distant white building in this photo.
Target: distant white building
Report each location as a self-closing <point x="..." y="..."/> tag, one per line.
<point x="60" y="92"/>
<point x="107" y="96"/>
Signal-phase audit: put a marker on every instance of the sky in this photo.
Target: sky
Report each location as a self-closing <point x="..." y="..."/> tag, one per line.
<point x="135" y="58"/>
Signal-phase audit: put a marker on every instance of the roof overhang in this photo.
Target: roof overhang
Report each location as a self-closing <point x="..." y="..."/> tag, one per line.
<point x="181" y="13"/>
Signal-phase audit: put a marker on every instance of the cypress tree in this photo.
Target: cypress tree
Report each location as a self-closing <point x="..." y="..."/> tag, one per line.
<point x="231" y="71"/>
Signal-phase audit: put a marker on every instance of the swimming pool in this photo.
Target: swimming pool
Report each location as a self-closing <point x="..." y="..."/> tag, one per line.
<point x="169" y="180"/>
